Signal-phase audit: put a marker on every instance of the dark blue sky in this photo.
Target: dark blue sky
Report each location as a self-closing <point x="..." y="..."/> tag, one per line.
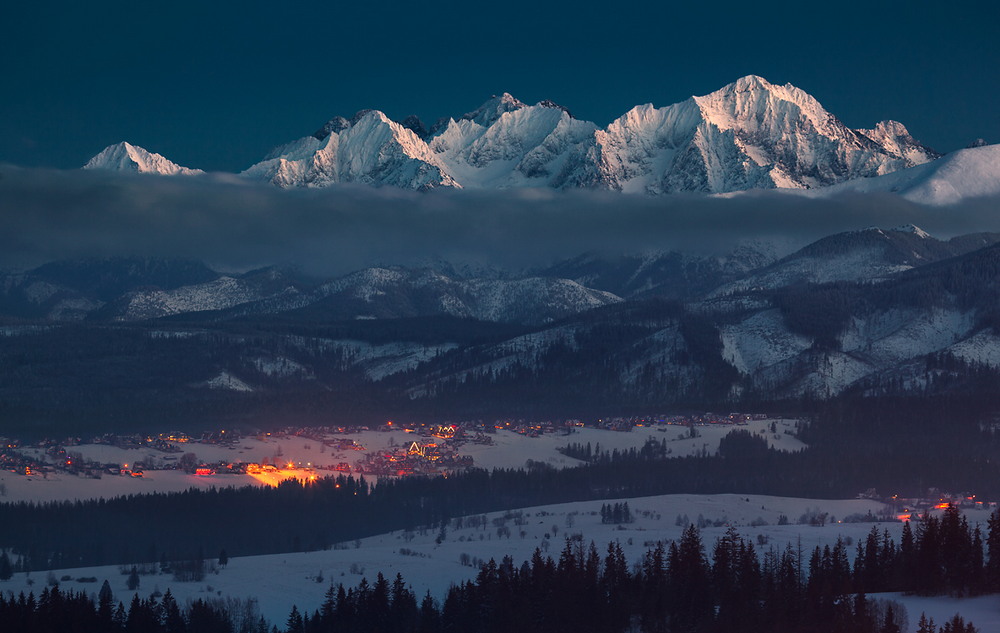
<point x="215" y="85"/>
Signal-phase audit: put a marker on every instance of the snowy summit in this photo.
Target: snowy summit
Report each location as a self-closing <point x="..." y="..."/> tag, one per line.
<point x="132" y="158"/>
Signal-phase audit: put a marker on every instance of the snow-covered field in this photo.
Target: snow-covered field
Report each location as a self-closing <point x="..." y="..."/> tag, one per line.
<point x="508" y="450"/>
<point x="430" y="566"/>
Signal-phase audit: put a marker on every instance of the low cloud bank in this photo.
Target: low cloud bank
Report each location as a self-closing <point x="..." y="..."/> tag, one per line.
<point x="47" y="215"/>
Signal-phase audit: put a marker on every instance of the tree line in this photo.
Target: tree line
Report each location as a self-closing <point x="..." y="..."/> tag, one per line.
<point x="678" y="586"/>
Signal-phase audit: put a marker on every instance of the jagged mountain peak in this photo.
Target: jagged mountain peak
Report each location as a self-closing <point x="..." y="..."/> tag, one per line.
<point x="126" y="157"/>
<point x="914" y="229"/>
<point x="890" y="127"/>
<point x="415" y="125"/>
<point x="494" y="108"/>
<point x="896" y="140"/>
<point x="334" y="126"/>
<point x="547" y="103"/>
<point x="368" y="113"/>
<point x="338" y="124"/>
<point x="752" y="102"/>
<point x="759" y="86"/>
<point x="751" y="82"/>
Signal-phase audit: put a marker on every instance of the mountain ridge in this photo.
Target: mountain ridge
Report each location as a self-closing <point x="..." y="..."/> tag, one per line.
<point x="750" y="134"/>
<point x="889" y="311"/>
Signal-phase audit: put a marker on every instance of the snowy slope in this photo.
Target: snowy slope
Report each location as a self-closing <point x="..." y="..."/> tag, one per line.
<point x="872" y="254"/>
<point x="135" y="290"/>
<point x="761" y="341"/>
<point x="401" y="292"/>
<point x="229" y="382"/>
<point x="132" y="158"/>
<point x="983" y="347"/>
<point x="967" y="173"/>
<point x="221" y="293"/>
<point x="775" y="359"/>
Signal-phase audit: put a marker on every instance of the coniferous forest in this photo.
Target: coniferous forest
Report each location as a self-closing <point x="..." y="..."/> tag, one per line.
<point x="680" y="586"/>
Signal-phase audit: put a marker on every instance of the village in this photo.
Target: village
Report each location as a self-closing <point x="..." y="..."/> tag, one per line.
<point x="421" y="455"/>
<point x="430" y="449"/>
<point x="387" y="450"/>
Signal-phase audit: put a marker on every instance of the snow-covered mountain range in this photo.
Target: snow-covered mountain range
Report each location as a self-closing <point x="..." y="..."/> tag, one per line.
<point x="139" y="289"/>
<point x="750" y="134"/>
<point x="876" y="309"/>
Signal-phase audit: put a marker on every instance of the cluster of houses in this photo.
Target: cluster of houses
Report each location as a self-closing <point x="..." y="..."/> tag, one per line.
<point x="906" y="508"/>
<point x="165" y="442"/>
<point x="415" y="458"/>
<point x="13" y="460"/>
<point x="434" y="450"/>
<point x="61" y="461"/>
<point x="702" y="419"/>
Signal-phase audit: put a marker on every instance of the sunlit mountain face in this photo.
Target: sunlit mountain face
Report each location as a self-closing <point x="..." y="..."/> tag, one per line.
<point x="750" y="134"/>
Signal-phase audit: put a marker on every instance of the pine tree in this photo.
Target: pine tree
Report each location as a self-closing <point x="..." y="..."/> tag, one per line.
<point x="170" y="615"/>
<point x="889" y="625"/>
<point x="141" y="617"/>
<point x="105" y="606"/>
<point x="906" y="563"/>
<point x="429" y="620"/>
<point x="976" y="581"/>
<point x="929" y="573"/>
<point x="926" y="625"/>
<point x="133" y="579"/>
<point x="691" y="582"/>
<point x="294" y="624"/>
<point x="615" y="585"/>
<point x="403" y="609"/>
<point x="992" y="553"/>
<point x="6" y="572"/>
<point x="957" y="624"/>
